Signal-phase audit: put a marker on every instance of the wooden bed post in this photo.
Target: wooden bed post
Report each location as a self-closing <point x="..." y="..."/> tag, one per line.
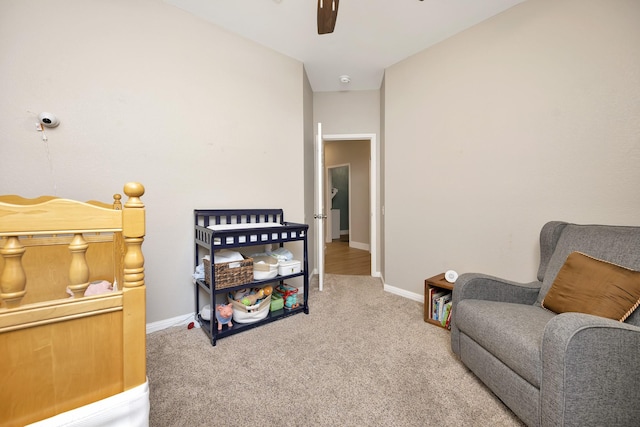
<point x="13" y="281"/>
<point x="134" y="339"/>
<point x="117" y="204"/>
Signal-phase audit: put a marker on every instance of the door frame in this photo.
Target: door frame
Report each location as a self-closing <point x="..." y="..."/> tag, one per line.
<point x="373" y="188"/>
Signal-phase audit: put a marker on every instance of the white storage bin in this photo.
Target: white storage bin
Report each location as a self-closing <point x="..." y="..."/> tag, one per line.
<point x="264" y="267"/>
<point x="250" y="314"/>
<point x="288" y="267"/>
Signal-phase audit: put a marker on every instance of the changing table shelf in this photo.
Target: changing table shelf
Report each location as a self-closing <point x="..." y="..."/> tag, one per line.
<point x="217" y="229"/>
<point x="239" y="327"/>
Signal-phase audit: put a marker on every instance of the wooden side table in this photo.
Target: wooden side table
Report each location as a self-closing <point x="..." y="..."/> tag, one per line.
<point x="437" y="283"/>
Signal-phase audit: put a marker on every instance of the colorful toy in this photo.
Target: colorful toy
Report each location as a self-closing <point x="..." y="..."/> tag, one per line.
<point x="291" y="302"/>
<point x="250" y="299"/>
<point x="253" y="296"/>
<point x="224" y="313"/>
<point x="289" y="295"/>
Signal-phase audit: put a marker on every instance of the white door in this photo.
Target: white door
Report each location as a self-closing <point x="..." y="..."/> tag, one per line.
<point x="320" y="215"/>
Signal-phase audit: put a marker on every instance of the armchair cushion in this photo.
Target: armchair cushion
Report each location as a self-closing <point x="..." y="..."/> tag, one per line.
<point x="511" y="332"/>
<point x="592" y="286"/>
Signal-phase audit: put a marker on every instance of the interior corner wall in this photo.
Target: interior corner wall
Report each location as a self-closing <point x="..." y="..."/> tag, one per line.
<point x="309" y="175"/>
<point x="147" y="92"/>
<point x="528" y="117"/>
<point x="382" y="200"/>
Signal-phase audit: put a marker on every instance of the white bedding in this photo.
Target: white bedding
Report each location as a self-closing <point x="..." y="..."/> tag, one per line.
<point x="127" y="409"/>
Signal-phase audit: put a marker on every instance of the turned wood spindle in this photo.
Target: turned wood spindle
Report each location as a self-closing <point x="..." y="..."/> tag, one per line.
<point x="133" y="262"/>
<point x="13" y="281"/>
<point x="79" y="269"/>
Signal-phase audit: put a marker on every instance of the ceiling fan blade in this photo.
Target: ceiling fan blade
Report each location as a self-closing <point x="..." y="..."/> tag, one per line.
<point x="327" y="14"/>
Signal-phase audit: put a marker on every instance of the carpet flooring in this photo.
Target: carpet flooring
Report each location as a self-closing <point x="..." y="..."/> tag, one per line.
<point x="361" y="357"/>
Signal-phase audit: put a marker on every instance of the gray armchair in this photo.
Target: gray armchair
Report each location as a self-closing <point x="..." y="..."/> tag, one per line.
<point x="568" y="369"/>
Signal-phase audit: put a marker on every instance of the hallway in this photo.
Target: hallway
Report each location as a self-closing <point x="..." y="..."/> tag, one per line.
<point x="341" y="259"/>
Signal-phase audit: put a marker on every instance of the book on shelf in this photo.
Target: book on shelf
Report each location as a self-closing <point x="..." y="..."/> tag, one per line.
<point x="438" y="300"/>
<point x="430" y="300"/>
<point x="441" y="305"/>
<point x="446" y="316"/>
<point x="448" y="322"/>
<point x="435" y="295"/>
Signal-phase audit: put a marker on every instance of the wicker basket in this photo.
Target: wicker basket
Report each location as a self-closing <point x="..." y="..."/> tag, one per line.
<point x="227" y="275"/>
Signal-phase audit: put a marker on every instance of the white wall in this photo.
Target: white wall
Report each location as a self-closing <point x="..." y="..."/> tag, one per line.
<point x="309" y="176"/>
<point x="347" y="112"/>
<point x="147" y="92"/>
<point x="528" y="117"/>
<point x="382" y="200"/>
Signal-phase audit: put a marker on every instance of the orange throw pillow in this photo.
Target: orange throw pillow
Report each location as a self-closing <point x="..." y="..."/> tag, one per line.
<point x="592" y="286"/>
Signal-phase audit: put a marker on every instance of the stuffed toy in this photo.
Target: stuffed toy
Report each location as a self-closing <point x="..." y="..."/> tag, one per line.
<point x="98" y="287"/>
<point x="224" y="313"/>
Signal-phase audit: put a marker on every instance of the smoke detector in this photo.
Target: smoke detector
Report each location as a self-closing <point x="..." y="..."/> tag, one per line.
<point x="345" y="79"/>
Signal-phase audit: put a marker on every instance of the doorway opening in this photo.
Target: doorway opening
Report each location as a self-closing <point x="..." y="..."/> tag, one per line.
<point x="343" y="254"/>
<point x="369" y="249"/>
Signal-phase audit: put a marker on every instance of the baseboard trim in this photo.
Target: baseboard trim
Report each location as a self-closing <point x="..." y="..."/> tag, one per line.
<point x="359" y="245"/>
<point x="185" y="319"/>
<point x="404" y="293"/>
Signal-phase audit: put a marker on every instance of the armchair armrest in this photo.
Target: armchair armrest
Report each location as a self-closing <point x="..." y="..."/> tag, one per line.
<point x="485" y="287"/>
<point x="590" y="372"/>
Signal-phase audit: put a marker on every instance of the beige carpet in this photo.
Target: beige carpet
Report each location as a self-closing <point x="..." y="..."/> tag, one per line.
<point x="362" y="357"/>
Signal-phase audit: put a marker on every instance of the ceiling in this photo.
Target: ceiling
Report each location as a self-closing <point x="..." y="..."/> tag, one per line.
<point x="370" y="35"/>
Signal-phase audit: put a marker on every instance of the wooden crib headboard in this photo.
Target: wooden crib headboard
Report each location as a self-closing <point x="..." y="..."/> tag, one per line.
<point x="61" y="351"/>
